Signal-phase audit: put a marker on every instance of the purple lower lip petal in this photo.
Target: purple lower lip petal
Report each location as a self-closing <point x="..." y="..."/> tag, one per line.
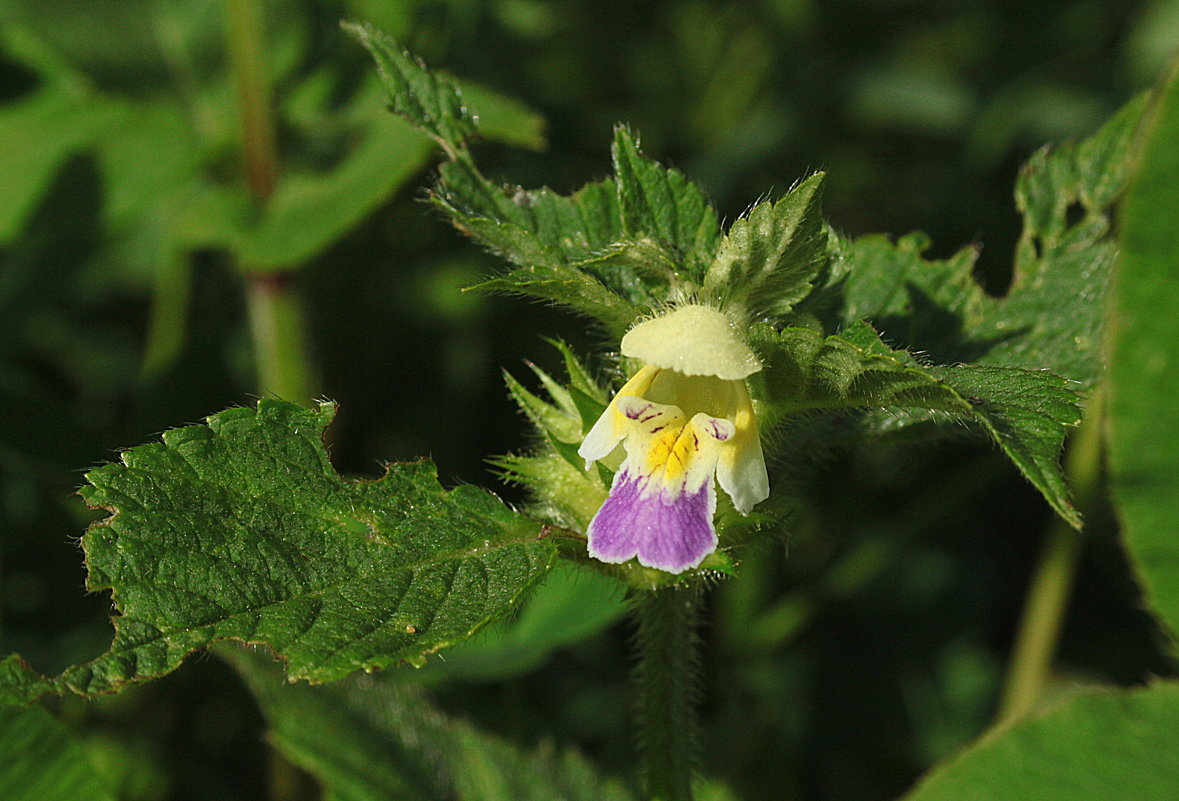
<point x="671" y="532"/>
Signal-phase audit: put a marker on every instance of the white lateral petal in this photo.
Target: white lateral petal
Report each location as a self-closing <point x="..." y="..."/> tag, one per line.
<point x="610" y="428"/>
<point x="741" y="469"/>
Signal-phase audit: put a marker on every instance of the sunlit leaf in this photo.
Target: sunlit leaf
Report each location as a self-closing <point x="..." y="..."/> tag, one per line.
<point x="428" y="100"/>
<point x="1026" y="412"/>
<point x="663" y="204"/>
<point x="770" y="257"/>
<point x="547" y="236"/>
<point x="241" y="529"/>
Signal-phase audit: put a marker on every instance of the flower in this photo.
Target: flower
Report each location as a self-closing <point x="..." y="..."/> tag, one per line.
<point x="684" y="417"/>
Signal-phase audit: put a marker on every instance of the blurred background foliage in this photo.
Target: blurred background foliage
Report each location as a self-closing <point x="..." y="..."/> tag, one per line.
<point x="130" y="239"/>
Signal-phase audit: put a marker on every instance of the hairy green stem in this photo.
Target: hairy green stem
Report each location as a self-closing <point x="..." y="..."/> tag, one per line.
<point x="276" y="325"/>
<point x="668" y="684"/>
<point x="1048" y="596"/>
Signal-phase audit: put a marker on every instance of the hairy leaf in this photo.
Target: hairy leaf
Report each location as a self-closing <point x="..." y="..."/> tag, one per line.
<point x="41" y="761"/>
<point x="603" y="250"/>
<point x="368" y="739"/>
<point x="1052" y="315"/>
<point x="19" y="683"/>
<point x="663" y="204"/>
<point x="431" y="102"/>
<point x="610" y="250"/>
<point x="241" y="529"/>
<point x="1026" y="412"/>
<point x="549" y="237"/>
<point x="569" y="287"/>
<point x="560" y="228"/>
<point x="1144" y="366"/>
<point x="770" y="257"/>
<point x="1124" y="743"/>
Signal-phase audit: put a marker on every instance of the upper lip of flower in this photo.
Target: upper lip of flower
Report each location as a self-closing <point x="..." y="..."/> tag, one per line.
<point x="693" y="340"/>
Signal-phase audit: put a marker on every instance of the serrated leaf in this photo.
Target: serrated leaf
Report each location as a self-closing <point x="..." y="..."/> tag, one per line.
<point x="770" y="257"/>
<point x="663" y="204"/>
<point x="595" y="251"/>
<point x="635" y="267"/>
<point x="241" y="529"/>
<point x="912" y="301"/>
<point x="41" y="761"/>
<point x="1052" y="315"/>
<point x="1026" y="413"/>
<point x="564" y="228"/>
<point x="428" y="100"/>
<point x="809" y="371"/>
<point x="546" y="235"/>
<point x="539" y="228"/>
<point x="568" y="287"/>
<point x="1144" y="365"/>
<point x="1118" y="743"/>
<point x="558" y="423"/>
<point x="20" y="684"/>
<point x="368" y="739"/>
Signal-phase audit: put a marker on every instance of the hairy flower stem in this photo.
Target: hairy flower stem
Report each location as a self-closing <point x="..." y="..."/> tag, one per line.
<point x="1051" y="587"/>
<point x="668" y="683"/>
